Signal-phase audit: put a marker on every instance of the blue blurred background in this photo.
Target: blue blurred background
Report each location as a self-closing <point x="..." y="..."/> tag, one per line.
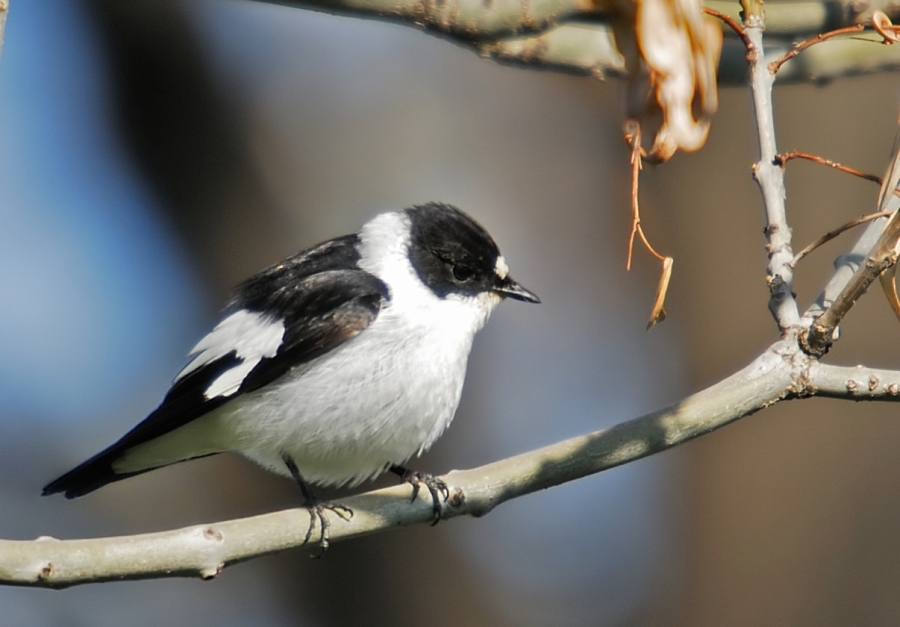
<point x="154" y="153"/>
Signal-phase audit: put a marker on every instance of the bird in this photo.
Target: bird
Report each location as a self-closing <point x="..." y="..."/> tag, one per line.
<point x="333" y="366"/>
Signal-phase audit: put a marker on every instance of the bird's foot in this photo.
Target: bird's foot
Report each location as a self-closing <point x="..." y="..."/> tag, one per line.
<point x="436" y="488"/>
<point x="317" y="512"/>
<point x="316" y="508"/>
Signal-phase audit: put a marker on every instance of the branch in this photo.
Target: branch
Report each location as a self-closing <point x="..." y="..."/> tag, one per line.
<point x="841" y="58"/>
<point x="770" y="177"/>
<point x="775" y="65"/>
<point x="590" y="50"/>
<point x="845" y="267"/>
<point x="4" y="10"/>
<point x="794" y="20"/>
<point x="731" y="23"/>
<point x="781" y="372"/>
<point x="857" y="383"/>
<point x="461" y="20"/>
<point x="783" y="158"/>
<point x="571" y="48"/>
<point x="830" y="235"/>
<point x="882" y="256"/>
<point x="574" y="36"/>
<point x="204" y="550"/>
<point x="473" y="20"/>
<point x="876" y="251"/>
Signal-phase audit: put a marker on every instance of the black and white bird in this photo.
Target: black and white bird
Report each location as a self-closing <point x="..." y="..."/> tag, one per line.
<point x="333" y="366"/>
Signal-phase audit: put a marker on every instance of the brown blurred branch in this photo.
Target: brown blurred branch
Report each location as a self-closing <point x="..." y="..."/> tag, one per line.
<point x="474" y="20"/>
<point x="575" y="36"/>
<point x="4" y="10"/>
<point x="461" y="20"/>
<point x="571" y="48"/>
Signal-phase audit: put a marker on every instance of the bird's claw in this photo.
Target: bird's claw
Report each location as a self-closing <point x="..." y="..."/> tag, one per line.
<point x="436" y="487"/>
<point x="316" y="508"/>
<point x="317" y="512"/>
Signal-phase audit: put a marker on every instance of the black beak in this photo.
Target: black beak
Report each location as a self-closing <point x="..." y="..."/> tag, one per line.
<point x="511" y="289"/>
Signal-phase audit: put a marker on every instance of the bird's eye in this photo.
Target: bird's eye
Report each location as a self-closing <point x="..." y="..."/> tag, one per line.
<point x="462" y="272"/>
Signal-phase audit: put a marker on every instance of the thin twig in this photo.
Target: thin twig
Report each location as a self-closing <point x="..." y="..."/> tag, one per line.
<point x="830" y="235"/>
<point x="731" y="22"/>
<point x="650" y="249"/>
<point x="845" y="266"/>
<point x="803" y="45"/>
<point x="633" y="139"/>
<point x="658" y="310"/>
<point x="783" y="158"/>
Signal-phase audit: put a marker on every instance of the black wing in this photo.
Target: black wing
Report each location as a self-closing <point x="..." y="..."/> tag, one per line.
<point x="321" y="303"/>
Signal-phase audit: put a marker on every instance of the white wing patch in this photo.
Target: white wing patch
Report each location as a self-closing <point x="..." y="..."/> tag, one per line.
<point x="252" y="336"/>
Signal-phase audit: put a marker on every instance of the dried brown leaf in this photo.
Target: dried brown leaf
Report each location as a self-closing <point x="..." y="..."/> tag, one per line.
<point x="658" y="313"/>
<point x="889" y="286"/>
<point x="672" y="51"/>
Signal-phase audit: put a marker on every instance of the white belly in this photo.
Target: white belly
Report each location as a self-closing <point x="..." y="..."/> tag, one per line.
<point x="377" y="400"/>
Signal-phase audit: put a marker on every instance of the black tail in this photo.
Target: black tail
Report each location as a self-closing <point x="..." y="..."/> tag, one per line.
<point x="183" y="403"/>
<point x="90" y="475"/>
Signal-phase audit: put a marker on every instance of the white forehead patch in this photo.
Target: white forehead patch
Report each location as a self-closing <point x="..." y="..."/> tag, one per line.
<point x="501" y="268"/>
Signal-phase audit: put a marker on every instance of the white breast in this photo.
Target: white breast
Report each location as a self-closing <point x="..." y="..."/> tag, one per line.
<point x="379" y="399"/>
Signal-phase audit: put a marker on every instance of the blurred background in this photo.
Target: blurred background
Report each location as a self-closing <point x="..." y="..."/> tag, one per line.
<point x="153" y="153"/>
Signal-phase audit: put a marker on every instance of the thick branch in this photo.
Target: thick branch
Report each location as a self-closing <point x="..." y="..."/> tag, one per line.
<point x="205" y="549"/>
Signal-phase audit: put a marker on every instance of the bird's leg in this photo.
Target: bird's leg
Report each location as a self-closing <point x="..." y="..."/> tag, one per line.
<point x="316" y="508"/>
<point x="435" y="486"/>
